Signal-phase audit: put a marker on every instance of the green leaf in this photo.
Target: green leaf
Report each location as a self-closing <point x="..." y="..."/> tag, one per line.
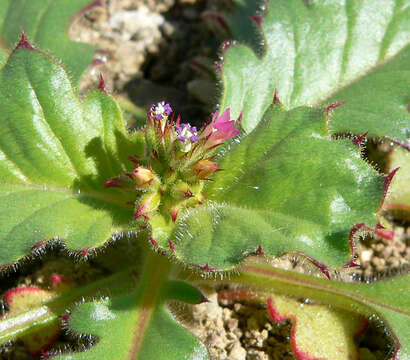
<point x="387" y="300"/>
<point x="29" y="315"/>
<point x="318" y="331"/>
<point x="138" y="325"/>
<point x="45" y="23"/>
<point x="323" y="52"/>
<point x="286" y="187"/>
<point x="56" y="154"/>
<point x="398" y="197"/>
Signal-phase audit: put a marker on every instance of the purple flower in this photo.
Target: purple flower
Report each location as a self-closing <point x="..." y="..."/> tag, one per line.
<point x="219" y="130"/>
<point x="160" y="111"/>
<point x="187" y="135"/>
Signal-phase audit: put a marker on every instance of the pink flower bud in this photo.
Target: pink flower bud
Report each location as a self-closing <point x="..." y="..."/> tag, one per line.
<point x="143" y="177"/>
<point x="205" y="168"/>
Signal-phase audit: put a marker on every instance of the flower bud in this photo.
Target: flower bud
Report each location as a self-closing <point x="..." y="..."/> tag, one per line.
<point x="143" y="177"/>
<point x="148" y="204"/>
<point x="205" y="168"/>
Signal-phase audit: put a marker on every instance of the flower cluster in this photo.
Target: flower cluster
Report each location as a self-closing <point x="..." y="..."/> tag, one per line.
<point x="161" y="111"/>
<point x="178" y="159"/>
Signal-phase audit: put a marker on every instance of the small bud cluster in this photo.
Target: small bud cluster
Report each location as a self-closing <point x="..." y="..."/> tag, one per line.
<point x="178" y="159"/>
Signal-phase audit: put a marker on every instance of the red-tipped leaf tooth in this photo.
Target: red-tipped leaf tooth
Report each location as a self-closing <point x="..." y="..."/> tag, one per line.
<point x="133" y="159"/>
<point x="360" y="139"/>
<point x="23" y="43"/>
<point x="178" y="120"/>
<point x="101" y="85"/>
<point x="323" y="268"/>
<point x="153" y="242"/>
<point x="207" y="268"/>
<point x="388" y="235"/>
<point x="259" y="251"/>
<point x="226" y="44"/>
<point x="57" y="280"/>
<point x="143" y="227"/>
<point x="350" y="264"/>
<point x="257" y="18"/>
<point x="387" y="181"/>
<point x="382" y="232"/>
<point x="218" y="66"/>
<point x="276" y="97"/>
<point x="84" y="252"/>
<point x="171" y="245"/>
<point x="328" y="110"/>
<point x="113" y="183"/>
<point x="38" y="244"/>
<point x="335" y="105"/>
<point x="239" y="119"/>
<point x="219" y="20"/>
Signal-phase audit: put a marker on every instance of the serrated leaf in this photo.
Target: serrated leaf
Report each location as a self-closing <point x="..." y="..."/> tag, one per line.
<point x="46" y="22"/>
<point x="286" y="187"/>
<point x="32" y="310"/>
<point x="22" y="300"/>
<point x="138" y="325"/>
<point x="386" y="300"/>
<point x="327" y="51"/>
<point x="56" y="153"/>
<point x="318" y="332"/>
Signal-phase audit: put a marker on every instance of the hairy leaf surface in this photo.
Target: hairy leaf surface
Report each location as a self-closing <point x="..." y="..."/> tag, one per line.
<point x="56" y="153"/>
<point x="138" y="325"/>
<point x="386" y="301"/>
<point x="322" y="52"/>
<point x="46" y="22"/>
<point x="287" y="186"/>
